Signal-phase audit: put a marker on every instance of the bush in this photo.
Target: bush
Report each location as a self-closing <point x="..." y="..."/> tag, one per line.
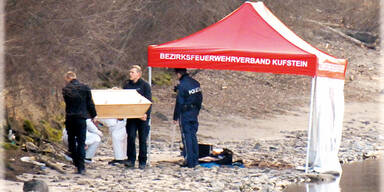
<point x="30" y="128"/>
<point x="51" y="133"/>
<point x="9" y="146"/>
<point x="162" y="79"/>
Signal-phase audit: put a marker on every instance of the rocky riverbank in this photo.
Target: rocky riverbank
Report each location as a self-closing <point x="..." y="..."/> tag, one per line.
<point x="270" y="164"/>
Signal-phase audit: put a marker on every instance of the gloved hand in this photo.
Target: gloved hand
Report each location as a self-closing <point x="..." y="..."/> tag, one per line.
<point x="176" y="87"/>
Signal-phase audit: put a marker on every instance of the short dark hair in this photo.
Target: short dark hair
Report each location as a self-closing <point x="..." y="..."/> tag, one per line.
<point x="181" y="70"/>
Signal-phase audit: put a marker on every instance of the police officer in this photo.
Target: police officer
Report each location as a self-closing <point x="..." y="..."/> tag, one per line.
<point x="140" y="125"/>
<point x="78" y="106"/>
<point x="188" y="104"/>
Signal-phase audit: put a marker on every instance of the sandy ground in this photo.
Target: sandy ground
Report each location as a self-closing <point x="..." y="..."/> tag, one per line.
<point x="235" y="127"/>
<point x="214" y="129"/>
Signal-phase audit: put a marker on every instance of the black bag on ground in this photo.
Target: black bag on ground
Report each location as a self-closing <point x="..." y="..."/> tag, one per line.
<point x="204" y="150"/>
<point x="225" y="157"/>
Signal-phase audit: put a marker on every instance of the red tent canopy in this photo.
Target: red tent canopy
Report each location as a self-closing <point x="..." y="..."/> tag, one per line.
<point x="249" y="39"/>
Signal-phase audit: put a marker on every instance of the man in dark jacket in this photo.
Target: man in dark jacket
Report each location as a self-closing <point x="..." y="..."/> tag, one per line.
<point x="78" y="107"/>
<point x="140" y="125"/>
<point x="188" y="104"/>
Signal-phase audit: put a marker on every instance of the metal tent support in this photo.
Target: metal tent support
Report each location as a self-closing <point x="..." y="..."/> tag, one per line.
<point x="310" y="121"/>
<point x="149" y="122"/>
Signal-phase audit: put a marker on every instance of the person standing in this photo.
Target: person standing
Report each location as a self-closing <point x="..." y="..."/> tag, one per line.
<point x="188" y="104"/>
<point x="78" y="107"/>
<point x="140" y="125"/>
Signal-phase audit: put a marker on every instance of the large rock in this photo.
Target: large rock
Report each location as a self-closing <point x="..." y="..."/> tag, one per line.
<point x="35" y="186"/>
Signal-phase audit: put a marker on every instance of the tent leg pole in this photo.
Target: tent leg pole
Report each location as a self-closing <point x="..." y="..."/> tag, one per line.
<point x="310" y="122"/>
<point x="149" y="122"/>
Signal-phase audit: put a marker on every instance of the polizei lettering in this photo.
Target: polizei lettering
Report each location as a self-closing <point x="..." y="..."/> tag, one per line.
<point x="193" y="91"/>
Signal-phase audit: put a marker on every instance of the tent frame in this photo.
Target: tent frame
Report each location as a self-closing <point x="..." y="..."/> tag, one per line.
<point x="228" y="56"/>
<point x="313" y="85"/>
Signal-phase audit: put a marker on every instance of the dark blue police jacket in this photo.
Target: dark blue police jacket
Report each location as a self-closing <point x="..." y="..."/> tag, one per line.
<point x="188" y="100"/>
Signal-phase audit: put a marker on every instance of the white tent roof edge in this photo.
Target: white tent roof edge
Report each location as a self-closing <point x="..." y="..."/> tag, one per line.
<point x="288" y="34"/>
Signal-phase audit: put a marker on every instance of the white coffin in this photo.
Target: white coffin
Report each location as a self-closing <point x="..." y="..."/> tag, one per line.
<point x="125" y="103"/>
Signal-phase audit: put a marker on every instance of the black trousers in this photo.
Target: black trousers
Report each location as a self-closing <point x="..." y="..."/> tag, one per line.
<point x="76" y="129"/>
<point x="142" y="127"/>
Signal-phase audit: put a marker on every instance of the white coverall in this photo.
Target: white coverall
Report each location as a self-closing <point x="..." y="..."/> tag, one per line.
<point x="92" y="139"/>
<point x="119" y="136"/>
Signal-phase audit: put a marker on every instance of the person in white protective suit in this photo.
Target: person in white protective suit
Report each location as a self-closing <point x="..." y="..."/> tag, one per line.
<point x="119" y="139"/>
<point x="92" y="140"/>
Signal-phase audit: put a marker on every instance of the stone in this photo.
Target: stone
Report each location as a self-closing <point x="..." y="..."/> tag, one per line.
<point x="322" y="177"/>
<point x="31" y="147"/>
<point x="161" y="116"/>
<point x="47" y="148"/>
<point x="35" y="186"/>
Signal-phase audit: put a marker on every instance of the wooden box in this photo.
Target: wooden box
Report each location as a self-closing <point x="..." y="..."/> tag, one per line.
<point x="124" y="103"/>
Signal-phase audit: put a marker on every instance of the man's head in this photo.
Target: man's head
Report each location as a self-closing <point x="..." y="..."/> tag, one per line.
<point x="180" y="72"/>
<point x="135" y="73"/>
<point x="69" y="76"/>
